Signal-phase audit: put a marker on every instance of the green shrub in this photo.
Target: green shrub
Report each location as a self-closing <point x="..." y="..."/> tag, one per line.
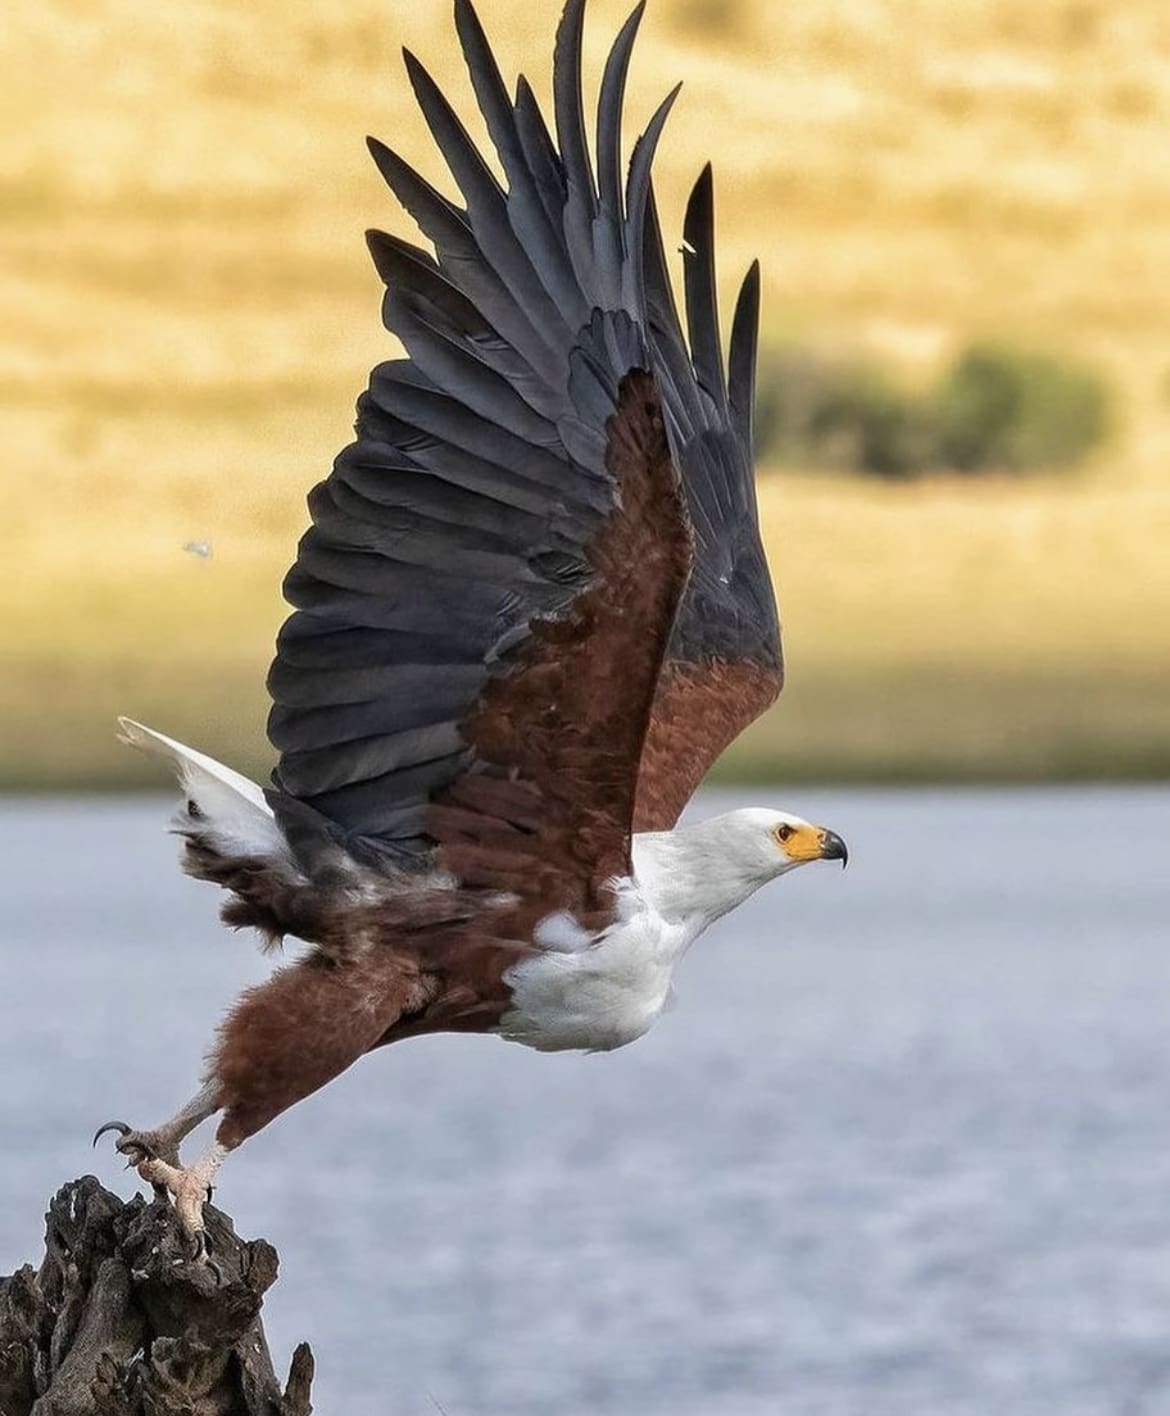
<point x="995" y="409"/>
<point x="873" y="426"/>
<point x="844" y="414"/>
<point x="1005" y="409"/>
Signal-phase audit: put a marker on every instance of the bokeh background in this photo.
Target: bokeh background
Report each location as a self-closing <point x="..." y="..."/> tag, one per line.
<point x="904" y="1146"/>
<point x="187" y="313"/>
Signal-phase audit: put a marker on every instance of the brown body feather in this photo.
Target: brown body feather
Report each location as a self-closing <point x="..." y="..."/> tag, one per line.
<point x="564" y="730"/>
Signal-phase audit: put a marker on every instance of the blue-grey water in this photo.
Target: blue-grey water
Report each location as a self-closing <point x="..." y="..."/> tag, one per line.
<point x="902" y="1149"/>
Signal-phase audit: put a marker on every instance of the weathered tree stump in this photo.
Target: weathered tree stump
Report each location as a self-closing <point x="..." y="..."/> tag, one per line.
<point x="118" y="1321"/>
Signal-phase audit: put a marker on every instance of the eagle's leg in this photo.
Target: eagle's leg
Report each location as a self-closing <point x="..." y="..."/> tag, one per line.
<point x="162" y="1143"/>
<point x="282" y="1040"/>
<point x="190" y="1186"/>
<point x="286" y="1038"/>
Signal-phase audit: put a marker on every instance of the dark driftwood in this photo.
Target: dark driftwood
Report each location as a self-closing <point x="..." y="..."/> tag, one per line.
<point x="118" y="1322"/>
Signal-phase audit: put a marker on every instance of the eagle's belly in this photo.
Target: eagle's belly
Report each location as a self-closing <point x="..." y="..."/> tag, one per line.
<point x="589" y="993"/>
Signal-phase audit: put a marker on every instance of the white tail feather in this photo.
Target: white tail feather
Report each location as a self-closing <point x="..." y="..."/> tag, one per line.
<point x="230" y="811"/>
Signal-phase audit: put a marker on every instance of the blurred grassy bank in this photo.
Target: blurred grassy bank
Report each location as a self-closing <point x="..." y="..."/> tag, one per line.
<point x="186" y="315"/>
<point x="945" y="631"/>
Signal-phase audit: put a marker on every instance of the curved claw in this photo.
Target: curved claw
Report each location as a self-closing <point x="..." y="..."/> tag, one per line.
<point x="137" y="1146"/>
<point x="119" y="1126"/>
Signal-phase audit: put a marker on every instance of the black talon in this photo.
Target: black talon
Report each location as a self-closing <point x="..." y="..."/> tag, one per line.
<point x="119" y="1126"/>
<point x="130" y="1143"/>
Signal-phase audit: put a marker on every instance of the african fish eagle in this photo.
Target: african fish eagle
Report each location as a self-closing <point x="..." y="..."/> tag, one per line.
<point x="530" y="611"/>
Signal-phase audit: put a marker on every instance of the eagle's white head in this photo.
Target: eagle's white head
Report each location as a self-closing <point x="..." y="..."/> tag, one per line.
<point x="768" y="842"/>
<point x="699" y="871"/>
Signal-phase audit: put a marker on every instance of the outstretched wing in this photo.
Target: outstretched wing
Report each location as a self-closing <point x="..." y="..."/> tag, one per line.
<point x="724" y="665"/>
<point x="485" y="596"/>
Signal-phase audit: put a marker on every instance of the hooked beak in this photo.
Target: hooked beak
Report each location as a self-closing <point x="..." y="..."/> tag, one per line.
<point x="834" y="848"/>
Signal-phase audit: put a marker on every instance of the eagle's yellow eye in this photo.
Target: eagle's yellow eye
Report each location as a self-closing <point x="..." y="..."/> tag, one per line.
<point x="783" y="832"/>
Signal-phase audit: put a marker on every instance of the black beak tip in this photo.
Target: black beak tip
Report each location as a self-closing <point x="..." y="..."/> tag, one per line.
<point x="835" y="849"/>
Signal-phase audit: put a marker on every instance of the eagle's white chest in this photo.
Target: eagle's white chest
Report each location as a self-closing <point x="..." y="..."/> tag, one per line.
<point x="589" y="994"/>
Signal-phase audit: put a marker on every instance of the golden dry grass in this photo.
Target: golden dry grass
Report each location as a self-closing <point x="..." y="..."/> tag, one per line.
<point x="186" y="315"/>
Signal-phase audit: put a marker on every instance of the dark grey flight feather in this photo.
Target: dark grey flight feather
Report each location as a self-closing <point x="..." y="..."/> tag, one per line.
<point x="543" y="159"/>
<point x="686" y="410"/>
<point x="728" y="613"/>
<point x="460" y="257"/>
<point x="637" y="197"/>
<point x="452" y="362"/>
<point x="534" y="215"/>
<point x="488" y="216"/>
<point x="408" y="267"/>
<point x="492" y="96"/>
<point x="608" y="232"/>
<point x="741" y="378"/>
<point x="417" y="290"/>
<point x="699" y="285"/>
<point x="609" y="112"/>
<point x="581" y="193"/>
<point x="466" y="508"/>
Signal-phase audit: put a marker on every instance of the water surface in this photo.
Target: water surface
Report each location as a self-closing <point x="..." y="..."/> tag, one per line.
<point x="902" y="1149"/>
